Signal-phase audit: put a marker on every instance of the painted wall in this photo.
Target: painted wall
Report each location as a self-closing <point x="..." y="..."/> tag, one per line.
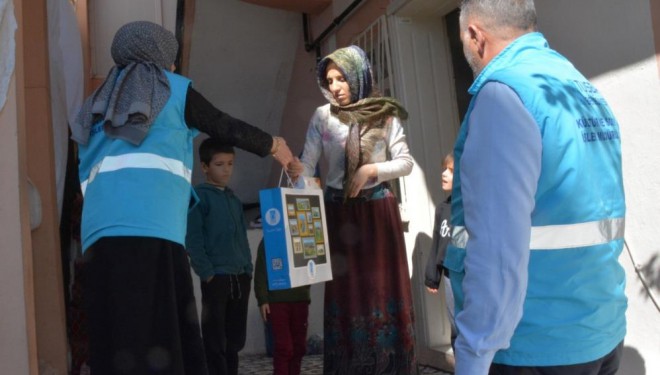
<point x="245" y="71"/>
<point x="611" y="42"/>
<point x="18" y="353"/>
<point x="14" y="356"/>
<point x="106" y="16"/>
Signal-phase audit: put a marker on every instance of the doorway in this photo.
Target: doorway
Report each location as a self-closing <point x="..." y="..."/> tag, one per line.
<point x="432" y="78"/>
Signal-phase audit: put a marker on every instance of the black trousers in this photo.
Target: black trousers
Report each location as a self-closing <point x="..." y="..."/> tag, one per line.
<point x="607" y="365"/>
<point x="141" y="308"/>
<point x="224" y="321"/>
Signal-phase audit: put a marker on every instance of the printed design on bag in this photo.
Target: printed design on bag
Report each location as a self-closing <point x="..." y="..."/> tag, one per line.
<point x="276" y="263"/>
<point x="306" y="230"/>
<point x="318" y="232"/>
<point x="273" y="217"/>
<point x="293" y="227"/>
<point x="302" y="224"/>
<point x="296" y="237"/>
<point x="311" y="269"/>
<point x="297" y="245"/>
<point x="303" y="204"/>
<point x="291" y="209"/>
<point x="309" y="247"/>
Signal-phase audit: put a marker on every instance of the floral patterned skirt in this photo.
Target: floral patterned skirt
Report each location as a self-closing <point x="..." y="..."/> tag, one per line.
<point x="368" y="322"/>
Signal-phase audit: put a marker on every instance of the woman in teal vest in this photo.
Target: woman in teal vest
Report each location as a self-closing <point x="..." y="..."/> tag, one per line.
<point x="537" y="207"/>
<point x="135" y="136"/>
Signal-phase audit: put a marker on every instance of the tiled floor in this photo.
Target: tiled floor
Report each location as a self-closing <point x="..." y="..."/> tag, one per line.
<point x="257" y="364"/>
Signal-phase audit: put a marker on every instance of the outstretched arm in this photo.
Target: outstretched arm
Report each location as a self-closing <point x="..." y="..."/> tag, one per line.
<point x="204" y="116"/>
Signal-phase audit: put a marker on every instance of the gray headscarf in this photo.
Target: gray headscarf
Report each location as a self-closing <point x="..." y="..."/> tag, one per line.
<point x="136" y="89"/>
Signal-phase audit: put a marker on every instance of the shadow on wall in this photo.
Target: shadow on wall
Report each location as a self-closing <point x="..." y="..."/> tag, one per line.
<point x="632" y="362"/>
<point x="651" y="272"/>
<point x="579" y="30"/>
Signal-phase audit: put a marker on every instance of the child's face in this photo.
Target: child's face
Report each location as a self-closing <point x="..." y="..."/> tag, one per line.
<point x="448" y="177"/>
<point x="219" y="170"/>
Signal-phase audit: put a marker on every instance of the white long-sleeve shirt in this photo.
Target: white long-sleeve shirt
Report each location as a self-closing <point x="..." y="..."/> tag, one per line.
<point x="327" y="135"/>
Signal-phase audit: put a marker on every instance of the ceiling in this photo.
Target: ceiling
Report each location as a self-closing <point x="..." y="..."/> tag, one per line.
<point x="299" y="6"/>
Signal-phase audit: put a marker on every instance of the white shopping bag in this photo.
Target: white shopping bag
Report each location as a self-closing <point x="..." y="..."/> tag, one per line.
<point x="295" y="236"/>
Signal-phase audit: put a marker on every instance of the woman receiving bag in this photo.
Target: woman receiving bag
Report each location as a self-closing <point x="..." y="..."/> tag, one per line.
<point x="368" y="319"/>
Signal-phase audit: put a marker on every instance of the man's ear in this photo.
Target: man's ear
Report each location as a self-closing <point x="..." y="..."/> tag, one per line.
<point x="478" y="38"/>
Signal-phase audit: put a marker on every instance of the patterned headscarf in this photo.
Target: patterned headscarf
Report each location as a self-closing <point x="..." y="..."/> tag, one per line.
<point x="368" y="113"/>
<point x="136" y="89"/>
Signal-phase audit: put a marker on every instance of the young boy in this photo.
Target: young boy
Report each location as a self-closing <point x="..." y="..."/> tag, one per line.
<point x="441" y="236"/>
<point x="220" y="255"/>
<point x="286" y="311"/>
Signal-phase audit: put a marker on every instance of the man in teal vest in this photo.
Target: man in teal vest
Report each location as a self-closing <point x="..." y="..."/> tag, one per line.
<point x="538" y="207"/>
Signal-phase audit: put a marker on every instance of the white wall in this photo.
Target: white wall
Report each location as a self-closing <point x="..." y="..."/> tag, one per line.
<point x="634" y="94"/>
<point x="107" y="16"/>
<point x="611" y="42"/>
<point x="241" y="59"/>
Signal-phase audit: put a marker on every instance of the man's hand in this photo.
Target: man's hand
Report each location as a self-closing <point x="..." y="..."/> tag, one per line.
<point x="265" y="311"/>
<point x="431" y="290"/>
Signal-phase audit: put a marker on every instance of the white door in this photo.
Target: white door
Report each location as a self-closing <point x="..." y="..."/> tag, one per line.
<point x="425" y="84"/>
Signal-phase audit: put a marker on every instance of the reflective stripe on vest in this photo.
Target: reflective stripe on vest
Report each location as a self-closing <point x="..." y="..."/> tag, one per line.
<point x="559" y="237"/>
<point x="138" y="160"/>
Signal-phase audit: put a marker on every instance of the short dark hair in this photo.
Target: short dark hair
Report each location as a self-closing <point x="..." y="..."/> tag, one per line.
<point x="212" y="146"/>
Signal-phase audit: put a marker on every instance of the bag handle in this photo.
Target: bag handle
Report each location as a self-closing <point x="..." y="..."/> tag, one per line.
<point x="288" y="178"/>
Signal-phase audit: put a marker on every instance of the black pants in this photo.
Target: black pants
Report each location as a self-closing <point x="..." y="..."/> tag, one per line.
<point x="141" y="308"/>
<point x="607" y="365"/>
<point x="224" y="320"/>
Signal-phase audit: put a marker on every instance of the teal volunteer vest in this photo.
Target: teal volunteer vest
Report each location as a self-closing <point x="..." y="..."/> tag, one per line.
<point x="140" y="190"/>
